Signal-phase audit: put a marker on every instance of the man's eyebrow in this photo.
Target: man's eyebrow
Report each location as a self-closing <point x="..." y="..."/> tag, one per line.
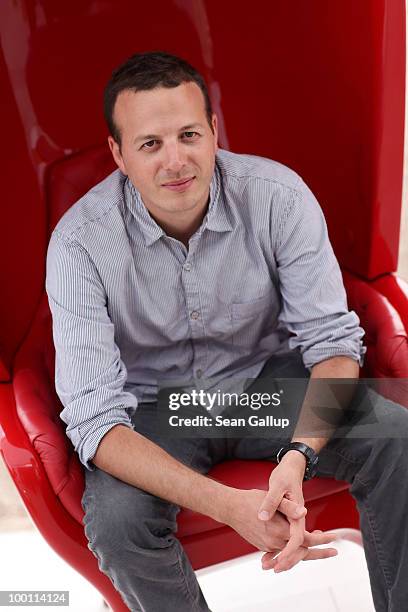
<point x="156" y="137"/>
<point x="190" y="127"/>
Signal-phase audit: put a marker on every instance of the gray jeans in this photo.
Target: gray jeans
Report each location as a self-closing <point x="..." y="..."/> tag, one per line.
<point x="131" y="532"/>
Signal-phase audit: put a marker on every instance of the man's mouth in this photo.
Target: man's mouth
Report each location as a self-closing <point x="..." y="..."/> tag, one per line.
<point x="180" y="185"/>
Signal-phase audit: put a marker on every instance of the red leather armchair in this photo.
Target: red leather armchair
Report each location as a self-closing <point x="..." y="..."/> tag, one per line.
<point x="337" y="120"/>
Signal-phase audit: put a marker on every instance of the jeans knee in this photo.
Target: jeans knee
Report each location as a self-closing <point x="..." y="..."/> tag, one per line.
<point x="389" y="450"/>
<point x="127" y="517"/>
<point x="387" y="458"/>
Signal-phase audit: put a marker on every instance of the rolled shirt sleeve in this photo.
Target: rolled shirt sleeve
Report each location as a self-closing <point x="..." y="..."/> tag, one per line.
<point x="90" y="374"/>
<point x="314" y="303"/>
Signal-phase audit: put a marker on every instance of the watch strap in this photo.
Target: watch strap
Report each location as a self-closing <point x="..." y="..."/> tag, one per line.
<point x="310" y="455"/>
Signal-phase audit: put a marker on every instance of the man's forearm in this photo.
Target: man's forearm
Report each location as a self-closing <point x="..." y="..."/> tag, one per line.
<point x="336" y="367"/>
<point x="133" y="458"/>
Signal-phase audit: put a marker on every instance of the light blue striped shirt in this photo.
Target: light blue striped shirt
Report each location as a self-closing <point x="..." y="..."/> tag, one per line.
<point x="132" y="306"/>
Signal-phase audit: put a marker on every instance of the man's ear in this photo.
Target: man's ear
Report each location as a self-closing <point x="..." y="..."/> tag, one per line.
<point x="117" y="156"/>
<point x="214" y="123"/>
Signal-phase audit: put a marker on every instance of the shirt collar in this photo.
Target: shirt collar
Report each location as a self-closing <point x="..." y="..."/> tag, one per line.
<point x="151" y="231"/>
<point x="215" y="220"/>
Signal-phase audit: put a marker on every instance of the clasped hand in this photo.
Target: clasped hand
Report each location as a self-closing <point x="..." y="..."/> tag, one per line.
<point x="285" y="495"/>
<point x="275" y="522"/>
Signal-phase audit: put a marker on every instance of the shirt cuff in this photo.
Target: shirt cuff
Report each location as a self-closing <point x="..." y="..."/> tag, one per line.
<point x="316" y="354"/>
<point x="88" y="445"/>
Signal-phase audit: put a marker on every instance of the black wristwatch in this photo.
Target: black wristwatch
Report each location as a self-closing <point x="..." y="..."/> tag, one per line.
<point x="311" y="457"/>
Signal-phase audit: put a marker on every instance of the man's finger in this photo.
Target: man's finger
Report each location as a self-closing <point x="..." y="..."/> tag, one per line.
<point x="289" y="555"/>
<point x="279" y="565"/>
<point x="272" y="560"/>
<point x="320" y="553"/>
<point x="292" y="509"/>
<point x="269" y="505"/>
<point x="268" y="558"/>
<point x="316" y="538"/>
<point x="282" y="563"/>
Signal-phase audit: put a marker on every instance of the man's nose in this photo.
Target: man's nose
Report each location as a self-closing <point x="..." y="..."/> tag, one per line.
<point x="174" y="159"/>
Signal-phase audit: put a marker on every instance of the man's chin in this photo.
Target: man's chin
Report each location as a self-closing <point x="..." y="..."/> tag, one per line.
<point x="178" y="207"/>
<point x="180" y="203"/>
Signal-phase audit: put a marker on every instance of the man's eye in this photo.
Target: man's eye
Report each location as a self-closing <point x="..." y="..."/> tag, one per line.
<point x="190" y="135"/>
<point x="149" y="144"/>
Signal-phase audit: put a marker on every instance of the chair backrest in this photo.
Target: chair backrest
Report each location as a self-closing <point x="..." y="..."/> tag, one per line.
<point x="316" y="85"/>
<point x="72" y="177"/>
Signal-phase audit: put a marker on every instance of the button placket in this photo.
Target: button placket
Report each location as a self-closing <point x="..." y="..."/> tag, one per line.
<point x="192" y="298"/>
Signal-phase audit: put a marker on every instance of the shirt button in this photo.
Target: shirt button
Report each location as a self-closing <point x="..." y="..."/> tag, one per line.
<point x="195" y="314"/>
<point x="187" y="267"/>
<point x="199" y="373"/>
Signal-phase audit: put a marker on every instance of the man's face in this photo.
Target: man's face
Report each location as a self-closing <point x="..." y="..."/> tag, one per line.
<point x="167" y="147"/>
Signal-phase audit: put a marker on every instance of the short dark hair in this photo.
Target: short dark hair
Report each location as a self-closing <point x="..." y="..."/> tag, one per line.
<point x="144" y="71"/>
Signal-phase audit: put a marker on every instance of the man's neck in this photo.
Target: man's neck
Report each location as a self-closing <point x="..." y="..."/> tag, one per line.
<point x="183" y="234"/>
<point x="180" y="226"/>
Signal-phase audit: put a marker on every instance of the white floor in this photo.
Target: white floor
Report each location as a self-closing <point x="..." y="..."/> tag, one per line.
<point x="332" y="585"/>
<point x="339" y="584"/>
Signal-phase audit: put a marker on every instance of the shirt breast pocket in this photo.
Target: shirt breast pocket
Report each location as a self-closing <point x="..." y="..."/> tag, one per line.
<point x="252" y="320"/>
<point x="248" y="309"/>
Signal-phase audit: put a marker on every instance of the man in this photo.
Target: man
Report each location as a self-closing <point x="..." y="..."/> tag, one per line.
<point x="190" y="263"/>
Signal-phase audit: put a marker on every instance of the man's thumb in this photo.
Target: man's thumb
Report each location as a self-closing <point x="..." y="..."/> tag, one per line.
<point x="268" y="508"/>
